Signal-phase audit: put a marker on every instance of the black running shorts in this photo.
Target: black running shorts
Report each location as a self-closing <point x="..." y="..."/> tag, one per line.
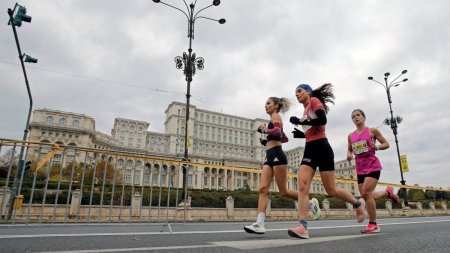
<point x="373" y="174"/>
<point x="275" y="156"/>
<point x="318" y="153"/>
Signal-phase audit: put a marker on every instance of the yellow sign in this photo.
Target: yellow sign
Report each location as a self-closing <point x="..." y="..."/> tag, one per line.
<point x="404" y="163"/>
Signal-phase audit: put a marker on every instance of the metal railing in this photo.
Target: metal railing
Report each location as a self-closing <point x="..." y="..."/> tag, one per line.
<point x="74" y="184"/>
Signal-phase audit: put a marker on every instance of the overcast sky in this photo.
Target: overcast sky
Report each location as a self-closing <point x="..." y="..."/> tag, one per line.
<point x="110" y="58"/>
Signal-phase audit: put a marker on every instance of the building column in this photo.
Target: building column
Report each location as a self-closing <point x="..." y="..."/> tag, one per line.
<point x="209" y="179"/>
<point x="233" y="183"/>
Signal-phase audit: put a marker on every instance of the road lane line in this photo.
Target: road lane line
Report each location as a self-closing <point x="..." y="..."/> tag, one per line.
<point x="199" y="232"/>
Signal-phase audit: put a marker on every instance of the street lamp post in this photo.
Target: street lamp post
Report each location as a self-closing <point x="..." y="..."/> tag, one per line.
<point x="189" y="62"/>
<point x="394" y="121"/>
<point x="16" y="20"/>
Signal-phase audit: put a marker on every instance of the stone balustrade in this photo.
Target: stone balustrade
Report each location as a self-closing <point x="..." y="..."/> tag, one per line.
<point x="136" y="212"/>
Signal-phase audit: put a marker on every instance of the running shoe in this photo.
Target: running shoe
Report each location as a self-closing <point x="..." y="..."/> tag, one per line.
<point x="371" y="228"/>
<point x="394" y="197"/>
<point x="315" y="208"/>
<point x="255" y="228"/>
<point x="299" y="231"/>
<point x="361" y="211"/>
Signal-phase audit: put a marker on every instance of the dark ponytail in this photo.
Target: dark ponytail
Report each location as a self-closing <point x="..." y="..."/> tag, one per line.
<point x="325" y="94"/>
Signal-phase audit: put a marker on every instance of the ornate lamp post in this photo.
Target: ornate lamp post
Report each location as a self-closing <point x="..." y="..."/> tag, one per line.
<point x="393" y="121"/>
<point x="17" y="15"/>
<point x="189" y="62"/>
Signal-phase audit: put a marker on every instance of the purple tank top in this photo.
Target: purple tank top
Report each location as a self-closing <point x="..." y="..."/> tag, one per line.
<point x="365" y="159"/>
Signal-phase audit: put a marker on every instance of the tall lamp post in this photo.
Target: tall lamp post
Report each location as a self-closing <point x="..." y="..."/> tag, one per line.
<point x="393" y="121"/>
<point x="189" y="62"/>
<point x="17" y="15"/>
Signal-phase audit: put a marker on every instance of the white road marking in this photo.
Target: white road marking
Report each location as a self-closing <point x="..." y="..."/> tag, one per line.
<point x="201" y="232"/>
<point x="259" y="244"/>
<point x="133" y="249"/>
<point x="243" y="245"/>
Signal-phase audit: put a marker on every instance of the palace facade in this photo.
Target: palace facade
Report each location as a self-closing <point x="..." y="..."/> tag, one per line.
<point x="215" y="140"/>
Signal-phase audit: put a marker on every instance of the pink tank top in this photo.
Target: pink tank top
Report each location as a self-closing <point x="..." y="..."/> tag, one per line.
<point x="365" y="159"/>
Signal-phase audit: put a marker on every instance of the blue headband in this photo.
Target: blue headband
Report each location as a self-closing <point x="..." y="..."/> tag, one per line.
<point x="305" y="87"/>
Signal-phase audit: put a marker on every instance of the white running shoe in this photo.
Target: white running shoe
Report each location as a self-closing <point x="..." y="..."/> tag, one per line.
<point x="255" y="228"/>
<point x="315" y="208"/>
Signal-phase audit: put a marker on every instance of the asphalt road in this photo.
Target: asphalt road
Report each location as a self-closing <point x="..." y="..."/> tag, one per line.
<point x="418" y="234"/>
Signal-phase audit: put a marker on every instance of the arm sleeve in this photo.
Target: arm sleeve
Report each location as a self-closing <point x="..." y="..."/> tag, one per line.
<point x="275" y="131"/>
<point x="320" y="120"/>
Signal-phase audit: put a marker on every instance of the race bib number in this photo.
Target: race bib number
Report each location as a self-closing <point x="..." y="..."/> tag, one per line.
<point x="360" y="147"/>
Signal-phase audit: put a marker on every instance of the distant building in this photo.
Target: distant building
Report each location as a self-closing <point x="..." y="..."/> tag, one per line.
<point x="215" y="138"/>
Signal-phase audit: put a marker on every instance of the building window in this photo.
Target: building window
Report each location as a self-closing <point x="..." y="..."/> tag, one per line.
<point x="145" y="179"/>
<point x="137" y="175"/>
<point x="50" y="120"/>
<point x="63" y="121"/>
<point x="76" y="123"/>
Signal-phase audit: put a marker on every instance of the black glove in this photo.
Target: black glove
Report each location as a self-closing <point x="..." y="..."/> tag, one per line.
<point x="298" y="134"/>
<point x="294" y="120"/>
<point x="263" y="141"/>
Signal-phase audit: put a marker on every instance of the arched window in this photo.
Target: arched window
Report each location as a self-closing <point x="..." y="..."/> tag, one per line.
<point x="76" y="123"/>
<point x="129" y="163"/>
<point x="63" y="121"/>
<point x="50" y="120"/>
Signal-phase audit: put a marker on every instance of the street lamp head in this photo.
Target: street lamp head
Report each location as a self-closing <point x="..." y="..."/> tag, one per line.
<point x="404" y="71"/>
<point x="30" y="59"/>
<point x="222" y="21"/>
<point x="370" y="78"/>
<point x="399" y="119"/>
<point x="156" y="1"/>
<point x="404" y="80"/>
<point x="387" y="121"/>
<point x="387" y="74"/>
<point x="216" y="2"/>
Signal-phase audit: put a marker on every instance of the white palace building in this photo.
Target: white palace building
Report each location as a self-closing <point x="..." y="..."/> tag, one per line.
<point x="216" y="139"/>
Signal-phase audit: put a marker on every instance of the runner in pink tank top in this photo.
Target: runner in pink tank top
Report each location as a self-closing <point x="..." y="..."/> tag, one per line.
<point x="364" y="150"/>
<point x="362" y="144"/>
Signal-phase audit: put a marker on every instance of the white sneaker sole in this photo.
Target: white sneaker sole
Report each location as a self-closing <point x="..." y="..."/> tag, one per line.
<point x="293" y="234"/>
<point x="371" y="232"/>
<point x="250" y="231"/>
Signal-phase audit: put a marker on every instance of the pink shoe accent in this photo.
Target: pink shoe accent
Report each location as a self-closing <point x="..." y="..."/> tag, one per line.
<point x="371" y="228"/>
<point x="394" y="197"/>
<point x="299" y="231"/>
